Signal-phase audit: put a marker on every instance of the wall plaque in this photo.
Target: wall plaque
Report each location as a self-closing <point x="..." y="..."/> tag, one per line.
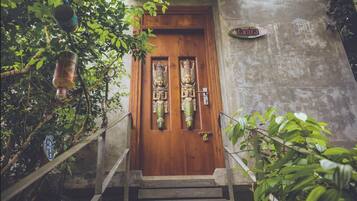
<point x="247" y="32"/>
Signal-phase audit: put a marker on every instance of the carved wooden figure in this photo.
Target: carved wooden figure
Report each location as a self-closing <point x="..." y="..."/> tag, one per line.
<point x="188" y="92"/>
<point x="159" y="96"/>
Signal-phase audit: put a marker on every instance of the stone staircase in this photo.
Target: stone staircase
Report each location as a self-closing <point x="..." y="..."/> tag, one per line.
<point x="185" y="188"/>
<point x="165" y="188"/>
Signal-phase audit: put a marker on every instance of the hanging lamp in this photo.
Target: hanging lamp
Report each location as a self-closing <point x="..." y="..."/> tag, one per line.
<point x="64" y="75"/>
<point x="66" y="17"/>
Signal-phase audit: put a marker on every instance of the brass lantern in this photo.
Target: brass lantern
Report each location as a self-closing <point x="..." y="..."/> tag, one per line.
<point x="63" y="78"/>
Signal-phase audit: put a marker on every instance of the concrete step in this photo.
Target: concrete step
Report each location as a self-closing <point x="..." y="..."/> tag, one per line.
<point x="178" y="181"/>
<point x="180" y="193"/>
<point x="206" y="199"/>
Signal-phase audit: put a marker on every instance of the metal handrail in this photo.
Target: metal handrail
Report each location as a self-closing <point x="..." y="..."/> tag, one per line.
<point x="19" y="186"/>
<point x="276" y="139"/>
<point x="102" y="183"/>
<point x="240" y="162"/>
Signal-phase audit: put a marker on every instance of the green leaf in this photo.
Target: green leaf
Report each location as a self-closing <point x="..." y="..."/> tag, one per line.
<point x="315" y="194"/>
<point x="273" y="181"/>
<point x="163" y="9"/>
<point x="269" y="113"/>
<point x="242" y="121"/>
<point x="320" y="148"/>
<point x="282" y="126"/>
<point x="327" y="164"/>
<point x="299" y="168"/>
<point x="118" y="43"/>
<point x="336" y="151"/>
<point x="342" y="175"/>
<point x="54" y="3"/>
<point x="292" y="126"/>
<point x="279" y="119"/>
<point x="330" y="195"/>
<point x="229" y="130"/>
<point x="238" y="131"/>
<point x="40" y="63"/>
<point x="279" y="163"/>
<point x="273" y="128"/>
<point x="259" y="116"/>
<point x="304" y="183"/>
<point x="32" y="62"/>
<point x="252" y="121"/>
<point x="300" y="115"/>
<point x="125" y="46"/>
<point x="94" y="25"/>
<point x="259" y="192"/>
<point x="313" y="141"/>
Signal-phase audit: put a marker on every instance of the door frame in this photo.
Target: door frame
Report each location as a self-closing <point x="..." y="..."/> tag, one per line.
<point x="213" y="82"/>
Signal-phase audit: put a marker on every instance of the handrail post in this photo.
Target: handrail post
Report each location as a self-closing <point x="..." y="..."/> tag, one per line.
<point x="229" y="172"/>
<point x="100" y="164"/>
<point x="229" y="177"/>
<point x="127" y="163"/>
<point x="99" y="178"/>
<point x="259" y="163"/>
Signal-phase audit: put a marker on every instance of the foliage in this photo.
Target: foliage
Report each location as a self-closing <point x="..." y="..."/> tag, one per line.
<point x="30" y="43"/>
<point x="343" y="18"/>
<point x="294" y="159"/>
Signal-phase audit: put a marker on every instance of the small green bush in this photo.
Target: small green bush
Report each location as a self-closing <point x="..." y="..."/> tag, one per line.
<point x="294" y="158"/>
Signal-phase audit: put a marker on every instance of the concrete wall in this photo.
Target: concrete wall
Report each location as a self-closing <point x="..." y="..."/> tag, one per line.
<point x="298" y="66"/>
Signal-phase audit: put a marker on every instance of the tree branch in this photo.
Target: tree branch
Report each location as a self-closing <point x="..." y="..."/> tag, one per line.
<point x="26" y="143"/>
<point x="27" y="67"/>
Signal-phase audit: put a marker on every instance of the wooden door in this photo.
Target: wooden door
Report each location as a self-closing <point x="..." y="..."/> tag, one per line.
<point x="178" y="124"/>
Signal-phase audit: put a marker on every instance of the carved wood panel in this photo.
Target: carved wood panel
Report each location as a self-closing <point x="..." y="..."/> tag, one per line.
<point x="159" y="92"/>
<point x="188" y="90"/>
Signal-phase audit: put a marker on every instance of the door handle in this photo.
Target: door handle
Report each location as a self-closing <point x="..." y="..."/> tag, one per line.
<point x="205" y="95"/>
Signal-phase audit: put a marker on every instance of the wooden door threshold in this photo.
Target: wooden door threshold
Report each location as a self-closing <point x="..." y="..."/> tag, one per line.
<point x="218" y="178"/>
<point x="178" y="181"/>
<point x="178" y="177"/>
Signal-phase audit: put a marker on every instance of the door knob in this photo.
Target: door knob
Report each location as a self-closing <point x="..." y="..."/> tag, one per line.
<point x="205" y="95"/>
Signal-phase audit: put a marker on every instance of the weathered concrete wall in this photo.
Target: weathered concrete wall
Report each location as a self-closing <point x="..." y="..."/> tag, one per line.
<point x="298" y="66"/>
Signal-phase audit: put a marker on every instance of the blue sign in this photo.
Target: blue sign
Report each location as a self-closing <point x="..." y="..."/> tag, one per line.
<point x="49" y="147"/>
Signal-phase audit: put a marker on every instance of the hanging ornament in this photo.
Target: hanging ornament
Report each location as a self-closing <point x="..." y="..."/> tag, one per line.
<point x="66" y="17"/>
<point x="49" y="147"/>
<point x="63" y="78"/>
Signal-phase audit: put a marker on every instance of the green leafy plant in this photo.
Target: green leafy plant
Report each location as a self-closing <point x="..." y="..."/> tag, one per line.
<point x="294" y="159"/>
<point x="30" y="43"/>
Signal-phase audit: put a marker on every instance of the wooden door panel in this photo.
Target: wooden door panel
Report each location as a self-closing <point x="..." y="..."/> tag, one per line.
<point x="170" y="79"/>
<point x="175" y="149"/>
<point x="160" y="147"/>
<point x="198" y="153"/>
